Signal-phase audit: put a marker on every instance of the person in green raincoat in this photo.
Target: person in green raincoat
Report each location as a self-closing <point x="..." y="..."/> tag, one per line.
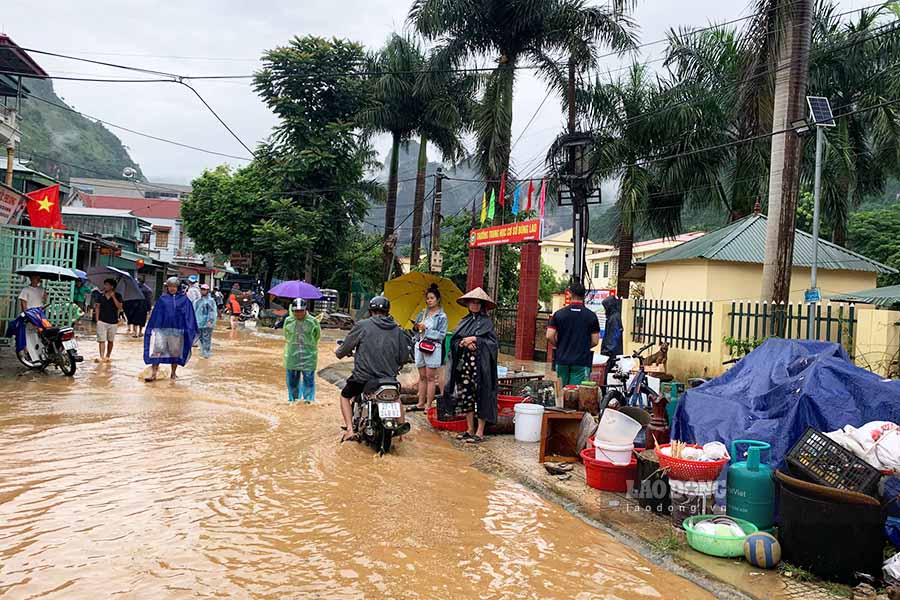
<point x="301" y="352"/>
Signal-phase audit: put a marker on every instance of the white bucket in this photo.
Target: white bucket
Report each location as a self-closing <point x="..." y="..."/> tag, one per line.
<point x="616" y="428"/>
<point x="617" y="454"/>
<point x="528" y="420"/>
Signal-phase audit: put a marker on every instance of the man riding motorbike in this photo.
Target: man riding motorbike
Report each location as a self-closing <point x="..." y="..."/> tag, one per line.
<point x="381" y="349"/>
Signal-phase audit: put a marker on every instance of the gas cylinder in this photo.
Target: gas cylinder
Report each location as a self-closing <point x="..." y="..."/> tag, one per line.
<point x="751" y="488"/>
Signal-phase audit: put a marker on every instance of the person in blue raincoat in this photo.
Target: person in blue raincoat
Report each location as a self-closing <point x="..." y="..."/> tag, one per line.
<point x="171" y="330"/>
<point x="206" y="313"/>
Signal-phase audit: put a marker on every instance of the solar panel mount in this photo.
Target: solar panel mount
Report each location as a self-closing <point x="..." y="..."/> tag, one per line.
<point x="820" y="111"/>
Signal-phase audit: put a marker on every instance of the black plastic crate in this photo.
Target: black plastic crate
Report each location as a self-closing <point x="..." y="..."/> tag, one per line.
<point x="816" y="457"/>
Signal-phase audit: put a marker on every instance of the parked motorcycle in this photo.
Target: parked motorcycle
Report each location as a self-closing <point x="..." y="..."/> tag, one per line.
<point x="39" y="344"/>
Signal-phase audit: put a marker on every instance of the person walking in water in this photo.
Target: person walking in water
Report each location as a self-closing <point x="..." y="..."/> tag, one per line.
<point x="193" y="290"/>
<point x="206" y="313"/>
<point x="170" y="331"/>
<point x="301" y="352"/>
<point x="106" y="313"/>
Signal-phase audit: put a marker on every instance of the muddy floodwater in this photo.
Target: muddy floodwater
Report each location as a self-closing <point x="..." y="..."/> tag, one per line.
<point x="212" y="486"/>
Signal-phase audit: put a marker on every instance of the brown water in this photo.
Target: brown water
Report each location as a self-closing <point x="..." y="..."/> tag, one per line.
<point x="212" y="486"/>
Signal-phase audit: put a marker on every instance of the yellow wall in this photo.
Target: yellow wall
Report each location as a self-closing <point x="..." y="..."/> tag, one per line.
<point x="716" y="280"/>
<point x="878" y="341"/>
<point x="555" y="257"/>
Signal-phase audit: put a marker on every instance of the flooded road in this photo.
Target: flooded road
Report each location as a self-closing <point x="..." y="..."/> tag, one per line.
<point x="213" y="486"/>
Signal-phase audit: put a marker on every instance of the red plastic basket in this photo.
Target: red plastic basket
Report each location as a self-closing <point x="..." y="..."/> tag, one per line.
<point x="459" y="424"/>
<point x="506" y="405"/>
<point x="690" y="470"/>
<point x="606" y="476"/>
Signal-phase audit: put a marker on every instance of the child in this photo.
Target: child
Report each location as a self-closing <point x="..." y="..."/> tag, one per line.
<point x="301" y="352"/>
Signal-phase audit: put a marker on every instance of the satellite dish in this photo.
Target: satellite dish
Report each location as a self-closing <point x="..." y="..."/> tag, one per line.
<point x="128" y="173"/>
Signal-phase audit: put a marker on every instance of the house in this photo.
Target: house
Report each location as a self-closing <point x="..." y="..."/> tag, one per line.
<point x="130" y="189"/>
<point x="558" y="250"/>
<point x="727" y="264"/>
<point x="167" y="240"/>
<point x="603" y="266"/>
<point x="15" y="64"/>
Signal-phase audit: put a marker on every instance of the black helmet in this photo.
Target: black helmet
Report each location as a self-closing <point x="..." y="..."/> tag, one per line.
<point x="380" y="303"/>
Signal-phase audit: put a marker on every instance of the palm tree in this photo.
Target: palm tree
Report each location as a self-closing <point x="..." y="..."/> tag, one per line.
<point x="631" y="129"/>
<point x="446" y="103"/>
<point x="512" y="32"/>
<point x="397" y="67"/>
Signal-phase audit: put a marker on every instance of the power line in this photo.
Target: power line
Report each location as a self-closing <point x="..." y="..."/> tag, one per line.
<point x="216" y="115"/>
<point x="129" y="130"/>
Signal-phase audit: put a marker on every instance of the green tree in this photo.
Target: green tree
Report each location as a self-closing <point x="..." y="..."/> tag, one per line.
<point x="876" y="234"/>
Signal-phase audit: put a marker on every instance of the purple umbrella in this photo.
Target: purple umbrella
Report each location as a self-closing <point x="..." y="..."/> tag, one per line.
<point x="296" y="289"/>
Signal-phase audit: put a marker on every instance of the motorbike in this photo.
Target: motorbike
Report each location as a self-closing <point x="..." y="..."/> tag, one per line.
<point x="39" y="344"/>
<point x="632" y="394"/>
<point x="377" y="414"/>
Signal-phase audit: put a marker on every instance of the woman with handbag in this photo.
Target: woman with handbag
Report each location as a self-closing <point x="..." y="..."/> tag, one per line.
<point x="473" y="370"/>
<point x="430" y="330"/>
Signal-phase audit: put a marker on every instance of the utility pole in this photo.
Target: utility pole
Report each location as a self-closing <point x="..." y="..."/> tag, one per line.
<point x="578" y="196"/>
<point x="784" y="174"/>
<point x="436" y="219"/>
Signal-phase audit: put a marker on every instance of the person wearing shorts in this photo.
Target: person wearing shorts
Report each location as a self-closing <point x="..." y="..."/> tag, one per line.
<point x="106" y="313"/>
<point x="431" y="328"/>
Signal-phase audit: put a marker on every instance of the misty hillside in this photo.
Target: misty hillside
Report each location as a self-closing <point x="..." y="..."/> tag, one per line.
<point x="64" y="144"/>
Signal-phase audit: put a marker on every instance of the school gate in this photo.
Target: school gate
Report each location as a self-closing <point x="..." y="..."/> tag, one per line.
<point x="20" y="246"/>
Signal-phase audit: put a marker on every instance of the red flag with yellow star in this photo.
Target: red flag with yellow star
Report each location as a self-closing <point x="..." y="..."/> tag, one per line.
<point x="43" y="208"/>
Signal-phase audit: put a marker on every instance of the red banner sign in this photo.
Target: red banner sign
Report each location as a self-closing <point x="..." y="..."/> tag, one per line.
<point x="511" y="233"/>
<point x="11" y="204"/>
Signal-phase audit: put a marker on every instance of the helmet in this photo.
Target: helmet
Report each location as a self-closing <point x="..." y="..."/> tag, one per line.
<point x="193" y="279"/>
<point x="380" y="303"/>
<point x="172" y="281"/>
<point x="298" y="304"/>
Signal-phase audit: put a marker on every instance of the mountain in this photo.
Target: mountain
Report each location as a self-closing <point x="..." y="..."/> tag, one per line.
<point x="62" y="143"/>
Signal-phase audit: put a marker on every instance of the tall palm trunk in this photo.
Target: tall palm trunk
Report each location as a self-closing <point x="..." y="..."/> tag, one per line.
<point x="784" y="173"/>
<point x="626" y="250"/>
<point x="390" y="207"/>
<point x="504" y="147"/>
<point x="419" y="207"/>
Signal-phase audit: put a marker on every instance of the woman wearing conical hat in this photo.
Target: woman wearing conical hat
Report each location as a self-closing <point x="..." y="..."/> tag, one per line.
<point x="473" y="367"/>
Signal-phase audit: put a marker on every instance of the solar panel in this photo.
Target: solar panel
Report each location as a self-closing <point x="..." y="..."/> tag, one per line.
<point x="820" y="110"/>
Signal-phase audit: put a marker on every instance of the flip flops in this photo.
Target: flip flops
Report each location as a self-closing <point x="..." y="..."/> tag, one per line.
<point x="475" y="439"/>
<point x="416" y="408"/>
<point x="465" y="435"/>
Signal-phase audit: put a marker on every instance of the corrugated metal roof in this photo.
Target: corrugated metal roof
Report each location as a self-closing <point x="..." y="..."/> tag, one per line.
<point x="745" y="241"/>
<point x="886" y="296"/>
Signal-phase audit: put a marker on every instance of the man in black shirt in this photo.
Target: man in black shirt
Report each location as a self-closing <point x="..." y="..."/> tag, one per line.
<point x="574" y="330"/>
<point x="106" y="313"/>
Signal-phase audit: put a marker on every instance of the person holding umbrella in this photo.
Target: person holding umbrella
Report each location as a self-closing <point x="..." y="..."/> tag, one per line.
<point x="33" y="295"/>
<point x="170" y="331"/>
<point x="301" y="352"/>
<point x="106" y="314"/>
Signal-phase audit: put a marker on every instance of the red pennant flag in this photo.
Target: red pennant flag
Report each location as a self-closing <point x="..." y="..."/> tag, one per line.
<point x="502" y="189"/>
<point x="43" y="208"/>
<point x="530" y="192"/>
<point x="543" y="196"/>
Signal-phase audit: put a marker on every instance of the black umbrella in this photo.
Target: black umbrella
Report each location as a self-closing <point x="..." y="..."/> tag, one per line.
<point x="126" y="285"/>
<point x="48" y="272"/>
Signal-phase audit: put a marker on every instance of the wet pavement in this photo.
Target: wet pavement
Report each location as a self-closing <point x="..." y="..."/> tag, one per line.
<point x="213" y="486"/>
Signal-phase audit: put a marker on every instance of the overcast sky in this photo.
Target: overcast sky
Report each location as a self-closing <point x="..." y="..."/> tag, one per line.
<point x="205" y="37"/>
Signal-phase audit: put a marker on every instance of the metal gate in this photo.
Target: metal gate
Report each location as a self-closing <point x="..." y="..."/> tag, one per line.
<point x="20" y="246"/>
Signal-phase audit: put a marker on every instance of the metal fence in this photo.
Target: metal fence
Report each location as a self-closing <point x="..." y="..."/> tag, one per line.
<point x="756" y="321"/>
<point x="505" y="326"/>
<point x="20" y="246"/>
<point x="685" y="324"/>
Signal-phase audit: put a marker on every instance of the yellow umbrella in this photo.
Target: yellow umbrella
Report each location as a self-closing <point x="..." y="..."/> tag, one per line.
<point x="407" y="296"/>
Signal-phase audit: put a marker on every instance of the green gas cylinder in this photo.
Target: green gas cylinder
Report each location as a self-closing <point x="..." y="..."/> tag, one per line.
<point x="751" y="488"/>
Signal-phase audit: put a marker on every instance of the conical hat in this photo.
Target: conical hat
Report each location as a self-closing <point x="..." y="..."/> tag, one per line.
<point x="477" y="294"/>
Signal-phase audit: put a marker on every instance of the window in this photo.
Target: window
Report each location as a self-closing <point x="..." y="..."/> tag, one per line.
<point x="596" y="270"/>
<point x="162" y="239"/>
<point x="606" y="269"/>
<point x="556" y="249"/>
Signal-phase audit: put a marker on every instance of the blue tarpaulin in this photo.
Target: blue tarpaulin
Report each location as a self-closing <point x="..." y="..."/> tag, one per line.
<point x="779" y="389"/>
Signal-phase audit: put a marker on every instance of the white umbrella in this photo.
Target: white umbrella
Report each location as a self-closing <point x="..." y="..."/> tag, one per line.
<point x="126" y="285"/>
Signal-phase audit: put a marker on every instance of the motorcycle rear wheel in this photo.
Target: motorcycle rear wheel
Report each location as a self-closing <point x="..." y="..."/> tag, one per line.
<point x="387" y="438"/>
<point x="67" y="363"/>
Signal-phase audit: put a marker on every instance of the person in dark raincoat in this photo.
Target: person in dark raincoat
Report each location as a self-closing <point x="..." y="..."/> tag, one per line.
<point x="473" y="369"/>
<point x="613" y="333"/>
<point x="171" y="331"/>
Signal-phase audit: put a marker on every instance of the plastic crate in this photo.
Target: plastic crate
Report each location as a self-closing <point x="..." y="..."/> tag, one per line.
<point x="816" y="457"/>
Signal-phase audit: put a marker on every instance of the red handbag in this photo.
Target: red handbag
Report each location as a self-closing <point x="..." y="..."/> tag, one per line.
<point x="427" y="346"/>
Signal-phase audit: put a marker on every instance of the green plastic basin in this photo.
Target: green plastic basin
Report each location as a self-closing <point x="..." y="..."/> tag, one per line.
<point x="723" y="546"/>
